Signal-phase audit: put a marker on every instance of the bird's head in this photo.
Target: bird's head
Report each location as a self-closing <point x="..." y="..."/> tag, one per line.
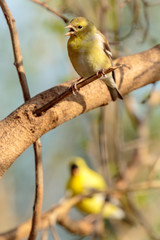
<point x="79" y="26"/>
<point x="76" y="165"/>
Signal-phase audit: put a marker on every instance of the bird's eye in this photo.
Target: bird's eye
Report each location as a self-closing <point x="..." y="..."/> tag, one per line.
<point x="79" y="26"/>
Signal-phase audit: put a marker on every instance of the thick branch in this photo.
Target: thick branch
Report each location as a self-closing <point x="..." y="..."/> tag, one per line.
<point x="21" y="128"/>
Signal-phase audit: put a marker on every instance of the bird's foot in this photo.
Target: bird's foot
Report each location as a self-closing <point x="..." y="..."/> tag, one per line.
<point x="74" y="88"/>
<point x="101" y="73"/>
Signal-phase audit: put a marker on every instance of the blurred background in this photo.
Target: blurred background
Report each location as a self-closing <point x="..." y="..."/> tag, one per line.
<point x="131" y="129"/>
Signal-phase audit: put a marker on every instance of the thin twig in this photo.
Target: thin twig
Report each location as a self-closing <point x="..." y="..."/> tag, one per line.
<point x="59" y="214"/>
<point x="18" y="62"/>
<point x="152" y="169"/>
<point x="141" y="219"/>
<point x="39" y="190"/>
<point x="54" y="233"/>
<point x="74" y="87"/>
<point x="103" y="11"/>
<point x="103" y="146"/>
<point x="149" y="95"/>
<point x="37" y="145"/>
<point x="143" y="186"/>
<point x="134" y="19"/>
<point x="104" y="160"/>
<point x="43" y="4"/>
<point x="151" y="4"/>
<point x="44" y="235"/>
<point x="145" y="10"/>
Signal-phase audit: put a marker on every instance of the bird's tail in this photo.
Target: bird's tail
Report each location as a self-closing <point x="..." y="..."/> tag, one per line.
<point x="114" y="93"/>
<point x="112" y="211"/>
<point x="109" y="80"/>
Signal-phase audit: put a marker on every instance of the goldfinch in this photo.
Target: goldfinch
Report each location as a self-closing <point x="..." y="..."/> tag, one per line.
<point x="89" y="52"/>
<point x="84" y="180"/>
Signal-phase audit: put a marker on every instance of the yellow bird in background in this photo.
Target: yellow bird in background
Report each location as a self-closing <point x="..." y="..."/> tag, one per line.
<point x="84" y="180"/>
<point x="89" y="52"/>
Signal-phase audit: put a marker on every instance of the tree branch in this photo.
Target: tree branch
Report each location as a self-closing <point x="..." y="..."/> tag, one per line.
<point x="75" y="87"/>
<point x="16" y="49"/>
<point x="43" y="4"/>
<point x="59" y="214"/>
<point x="38" y="190"/>
<point x="21" y="128"/>
<point x="37" y="145"/>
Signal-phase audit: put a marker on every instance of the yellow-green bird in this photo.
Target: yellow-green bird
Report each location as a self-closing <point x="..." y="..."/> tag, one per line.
<point x="84" y="180"/>
<point x="89" y="52"/>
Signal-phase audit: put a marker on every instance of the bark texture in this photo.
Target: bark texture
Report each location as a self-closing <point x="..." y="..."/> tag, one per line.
<point x="22" y="128"/>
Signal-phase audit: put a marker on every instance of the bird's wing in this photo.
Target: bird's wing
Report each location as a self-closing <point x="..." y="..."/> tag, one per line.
<point x="107" y="51"/>
<point x="93" y="181"/>
<point x="106" y="47"/>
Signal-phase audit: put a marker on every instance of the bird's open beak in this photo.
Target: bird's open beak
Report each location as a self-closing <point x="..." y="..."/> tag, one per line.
<point x="71" y="31"/>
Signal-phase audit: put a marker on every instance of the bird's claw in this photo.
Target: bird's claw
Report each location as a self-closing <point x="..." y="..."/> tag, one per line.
<point x="74" y="88"/>
<point x="101" y="73"/>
